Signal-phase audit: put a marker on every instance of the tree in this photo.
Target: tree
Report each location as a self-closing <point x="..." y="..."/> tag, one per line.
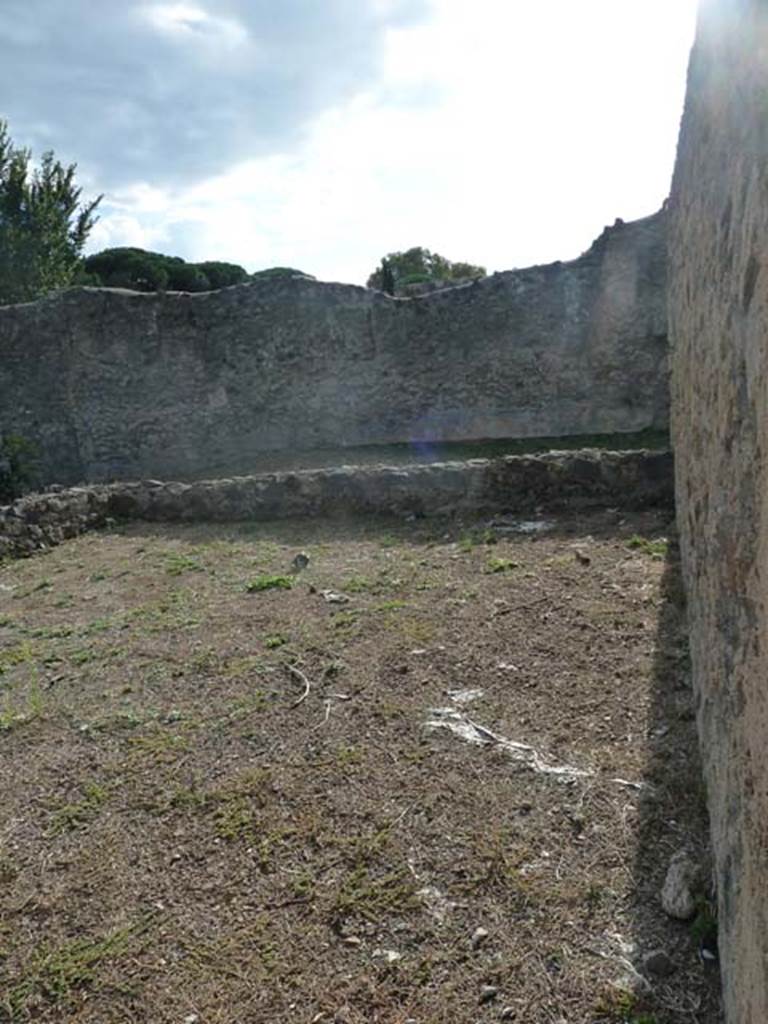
<point x="279" y="272"/>
<point x="387" y="277"/>
<point x="222" y="275"/>
<point x="144" y="271"/>
<point x="43" y="225"/>
<point x="399" y="269"/>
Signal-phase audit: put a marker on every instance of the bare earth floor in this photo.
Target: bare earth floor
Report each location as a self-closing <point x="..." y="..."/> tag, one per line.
<point x="226" y="798"/>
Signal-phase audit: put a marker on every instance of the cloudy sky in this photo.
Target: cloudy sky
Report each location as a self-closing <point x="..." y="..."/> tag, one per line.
<point x="321" y="134"/>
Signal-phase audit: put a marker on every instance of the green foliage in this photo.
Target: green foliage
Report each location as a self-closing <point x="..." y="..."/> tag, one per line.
<point x="17" y="462"/>
<point x="144" y="271"/>
<point x="269" y="583"/>
<point x="654" y="548"/>
<point x="704" y="925"/>
<point x="279" y="272"/>
<point x="397" y="270"/>
<point x="501" y="564"/>
<point x="222" y="275"/>
<point x="43" y="226"/>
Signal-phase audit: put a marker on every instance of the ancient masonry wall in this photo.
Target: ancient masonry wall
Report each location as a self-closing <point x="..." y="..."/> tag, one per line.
<point x="719" y="339"/>
<point x="119" y="385"/>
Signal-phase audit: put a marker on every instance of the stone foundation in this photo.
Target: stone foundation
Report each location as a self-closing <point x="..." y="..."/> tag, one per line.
<point x="516" y="484"/>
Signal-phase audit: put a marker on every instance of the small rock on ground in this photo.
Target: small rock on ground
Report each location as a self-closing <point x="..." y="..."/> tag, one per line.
<point x="677" y="894"/>
<point x="659" y="963"/>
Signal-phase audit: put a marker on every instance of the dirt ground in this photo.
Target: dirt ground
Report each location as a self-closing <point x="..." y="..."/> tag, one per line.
<point x="228" y="796"/>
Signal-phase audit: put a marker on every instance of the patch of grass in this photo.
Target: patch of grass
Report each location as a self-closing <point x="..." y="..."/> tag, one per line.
<point x="274" y="640"/>
<point x="236" y="802"/>
<point x="16" y="655"/>
<point x="244" y="952"/>
<point x="171" y="612"/>
<point x="52" y="632"/>
<point x="11" y="717"/>
<point x="497" y="867"/>
<point x="44" y="584"/>
<point x="474" y="538"/>
<point x="84" y="655"/>
<point x="391" y="606"/>
<point x="360" y="585"/>
<point x="362" y="896"/>
<point x="259" y="583"/>
<point x="347" y="757"/>
<point x="53" y="975"/>
<point x="249" y="663"/>
<point x="77" y="815"/>
<point x="125" y="718"/>
<point x="236" y="820"/>
<point x="345" y="620"/>
<point x="159" y="747"/>
<point x="594" y="897"/>
<point x="177" y="563"/>
<point x="704" y="924"/>
<point x="501" y="564"/>
<point x="101" y="625"/>
<point x="618" y="1005"/>
<point x="415" y="631"/>
<point x="654" y="548"/>
<point x="242" y="707"/>
<point x="204" y="662"/>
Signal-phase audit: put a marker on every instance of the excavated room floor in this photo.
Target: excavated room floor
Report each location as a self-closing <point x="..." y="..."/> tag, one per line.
<point x="435" y="777"/>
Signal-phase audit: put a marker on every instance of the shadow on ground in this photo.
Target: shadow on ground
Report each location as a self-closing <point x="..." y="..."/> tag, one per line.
<point x="673" y="817"/>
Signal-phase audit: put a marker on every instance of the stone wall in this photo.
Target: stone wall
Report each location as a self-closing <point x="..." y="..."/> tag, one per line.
<point x="719" y="333"/>
<point x="516" y="484"/>
<point x="116" y="385"/>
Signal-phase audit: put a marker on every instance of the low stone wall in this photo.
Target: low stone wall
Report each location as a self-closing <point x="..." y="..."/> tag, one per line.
<point x="518" y="484"/>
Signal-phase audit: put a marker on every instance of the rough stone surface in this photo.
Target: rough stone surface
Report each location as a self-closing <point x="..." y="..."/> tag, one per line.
<point x="719" y="332"/>
<point x="678" y="894"/>
<point x="117" y="385"/>
<point x="516" y="484"/>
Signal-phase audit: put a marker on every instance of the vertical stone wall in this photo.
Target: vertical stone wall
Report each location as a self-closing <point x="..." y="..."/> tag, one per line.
<point x="719" y="337"/>
<point x="115" y="384"/>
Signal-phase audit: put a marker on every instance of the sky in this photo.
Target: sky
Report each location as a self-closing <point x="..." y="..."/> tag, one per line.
<point x="323" y="134"/>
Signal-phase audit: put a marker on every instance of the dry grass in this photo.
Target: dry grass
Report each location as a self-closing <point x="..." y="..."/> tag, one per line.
<point x="189" y="832"/>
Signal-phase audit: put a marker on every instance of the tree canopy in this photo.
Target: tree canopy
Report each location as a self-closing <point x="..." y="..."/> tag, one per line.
<point x="43" y="224"/>
<point x="144" y="271"/>
<point x="397" y="270"/>
<point x="279" y="272"/>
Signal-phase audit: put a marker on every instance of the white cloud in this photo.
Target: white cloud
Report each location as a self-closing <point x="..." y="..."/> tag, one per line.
<point x="188" y="23"/>
<point x="502" y="132"/>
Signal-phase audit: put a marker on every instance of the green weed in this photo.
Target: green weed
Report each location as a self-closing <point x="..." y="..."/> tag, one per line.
<point x="78" y="814"/>
<point x="501" y="564"/>
<point x="362" y="896"/>
<point x="654" y="548"/>
<point x="274" y="641"/>
<point x="259" y="583"/>
<point x="16" y="655"/>
<point x="54" y="975"/>
<point x="177" y="563"/>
